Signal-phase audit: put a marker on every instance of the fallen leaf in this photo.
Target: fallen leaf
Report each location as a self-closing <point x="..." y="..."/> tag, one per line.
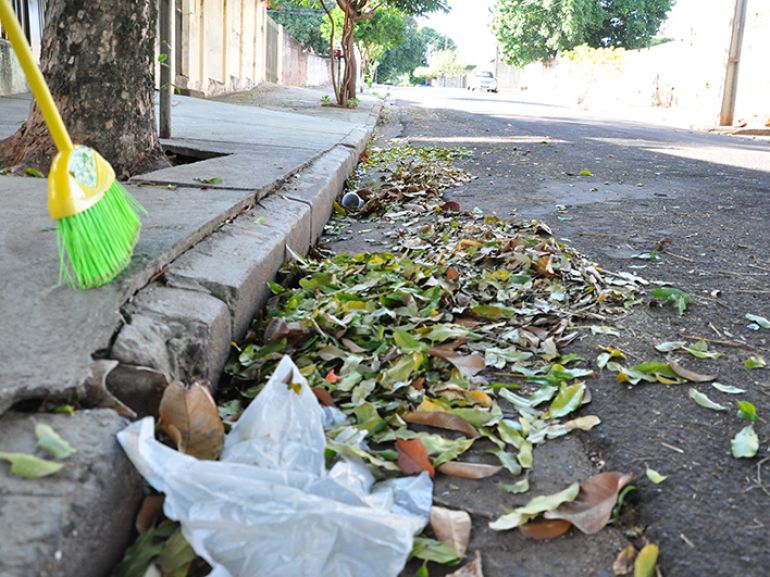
<point x="624" y="562"/>
<point x="191" y="420"/>
<point x="468" y="470"/>
<point x="592" y="508"/>
<point x="516" y="488"/>
<point x="413" y="457"/>
<point x="654" y="476"/>
<point x="50" y="441"/>
<point x="675" y="297"/>
<point x="755" y="362"/>
<point x="645" y="563"/>
<point x="728" y="389"/>
<point x="668" y="347"/>
<point x="98" y="395"/>
<point x="745" y="444"/>
<point x="541" y="530"/>
<point x="472" y="569"/>
<point x="704" y="401"/>
<point x="432" y="550"/>
<point x="29" y="466"/>
<point x="747" y="411"/>
<point x="324" y="397"/>
<point x="468" y="365"/>
<point x="568" y="400"/>
<point x="452" y="528"/>
<point x="331" y="377"/>
<point x="442" y="421"/>
<point x="151" y="508"/>
<point x="761" y="321"/>
<point x="535" y="507"/>
<point x="690" y="375"/>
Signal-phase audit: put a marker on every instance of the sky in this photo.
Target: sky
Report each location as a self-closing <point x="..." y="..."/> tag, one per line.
<point x="468" y="25"/>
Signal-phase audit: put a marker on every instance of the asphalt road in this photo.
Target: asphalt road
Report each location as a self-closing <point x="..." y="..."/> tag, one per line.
<point x="701" y="202"/>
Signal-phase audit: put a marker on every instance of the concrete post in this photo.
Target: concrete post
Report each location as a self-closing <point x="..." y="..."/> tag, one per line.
<point x="731" y="77"/>
<point x="167" y="13"/>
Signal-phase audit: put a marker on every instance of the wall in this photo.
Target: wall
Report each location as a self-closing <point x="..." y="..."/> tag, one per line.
<point x="222" y="45"/>
<point x="300" y="67"/>
<point x="686" y="75"/>
<point x="11" y="76"/>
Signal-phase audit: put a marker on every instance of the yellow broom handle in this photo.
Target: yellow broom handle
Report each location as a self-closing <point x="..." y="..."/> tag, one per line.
<point x="34" y="77"/>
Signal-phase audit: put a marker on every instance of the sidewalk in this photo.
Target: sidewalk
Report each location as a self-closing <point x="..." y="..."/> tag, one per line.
<point x="197" y="277"/>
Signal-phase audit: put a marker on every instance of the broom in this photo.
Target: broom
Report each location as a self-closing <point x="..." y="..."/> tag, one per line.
<point x="97" y="221"/>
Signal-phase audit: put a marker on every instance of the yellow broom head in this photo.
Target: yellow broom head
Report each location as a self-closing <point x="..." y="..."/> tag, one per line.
<point x="98" y="224"/>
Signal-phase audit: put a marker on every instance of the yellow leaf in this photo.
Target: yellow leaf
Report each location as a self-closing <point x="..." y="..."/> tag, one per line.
<point x="644" y="566"/>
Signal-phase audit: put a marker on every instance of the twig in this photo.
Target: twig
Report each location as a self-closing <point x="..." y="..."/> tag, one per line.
<point x="672" y="447"/>
<point x="686" y="540"/>
<point x="733" y="344"/>
<point x="687" y="258"/>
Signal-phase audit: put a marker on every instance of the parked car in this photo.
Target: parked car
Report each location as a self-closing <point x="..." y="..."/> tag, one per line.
<point x="482" y="80"/>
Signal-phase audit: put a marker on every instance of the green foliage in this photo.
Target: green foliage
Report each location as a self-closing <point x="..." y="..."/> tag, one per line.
<point x="301" y="22"/>
<point x="532" y="30"/>
<point x="440" y="63"/>
<point x="404" y="58"/>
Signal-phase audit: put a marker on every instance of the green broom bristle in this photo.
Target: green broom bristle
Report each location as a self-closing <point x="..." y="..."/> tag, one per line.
<point x="99" y="241"/>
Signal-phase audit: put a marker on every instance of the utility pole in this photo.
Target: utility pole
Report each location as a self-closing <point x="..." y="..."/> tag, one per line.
<point x="731" y="77"/>
<point x="167" y="13"/>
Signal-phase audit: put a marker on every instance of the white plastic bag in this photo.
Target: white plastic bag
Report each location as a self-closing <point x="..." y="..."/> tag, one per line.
<point x="269" y="507"/>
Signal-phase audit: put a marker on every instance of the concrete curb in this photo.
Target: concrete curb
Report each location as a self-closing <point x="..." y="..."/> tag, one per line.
<point x="182" y="325"/>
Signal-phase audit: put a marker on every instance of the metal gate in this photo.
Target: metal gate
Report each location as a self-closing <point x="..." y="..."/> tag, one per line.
<point x="272" y="50"/>
<point x="31" y="15"/>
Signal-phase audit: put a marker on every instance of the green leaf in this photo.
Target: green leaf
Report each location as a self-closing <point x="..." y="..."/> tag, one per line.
<point x="443" y="448"/>
<point x="672" y="296"/>
<point x="29" y="171"/>
<point x="441" y="333"/>
<point x="568" y="400"/>
<point x="138" y="556"/>
<point x="761" y="321"/>
<point x="492" y="312"/>
<point x="432" y="550"/>
<point x="509" y="461"/>
<point x="423" y="570"/>
<point x="50" y="441"/>
<point x="745" y="444"/>
<point x="212" y="180"/>
<point x="535" y="507"/>
<point x="700" y="350"/>
<point x="655" y="477"/>
<point x="516" y="488"/>
<point x="704" y="401"/>
<point x="585" y="172"/>
<point x="747" y="411"/>
<point x="730" y="390"/>
<point x="646" y="256"/>
<point x="29" y="466"/>
<point x="406" y="342"/>
<point x="755" y="362"/>
<point x="525" y="455"/>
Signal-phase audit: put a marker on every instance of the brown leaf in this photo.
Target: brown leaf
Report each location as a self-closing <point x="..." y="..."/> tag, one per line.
<point x="690" y="375"/>
<point x="450" y="206"/>
<point x="148" y="512"/>
<point x="413" y="457"/>
<point x="543" y="265"/>
<point x="323" y="396"/>
<point x="277" y="329"/>
<point x="452" y="273"/>
<point x="353" y="347"/>
<point x="468" y="470"/>
<point x="593" y="506"/>
<point x="419" y="383"/>
<point x="472" y="569"/>
<point x="190" y="418"/>
<point x="442" y="421"/>
<point x="624" y="562"/>
<point x="540" y="530"/>
<point x="468" y="365"/>
<point x="452" y="528"/>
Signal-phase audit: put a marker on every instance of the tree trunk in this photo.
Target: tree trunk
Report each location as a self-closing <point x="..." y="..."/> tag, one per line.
<point x="348" y="84"/>
<point x="98" y="60"/>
